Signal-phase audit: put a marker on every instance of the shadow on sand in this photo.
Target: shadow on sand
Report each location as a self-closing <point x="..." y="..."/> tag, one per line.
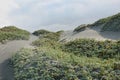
<point x="6" y="71"/>
<point x="107" y="34"/>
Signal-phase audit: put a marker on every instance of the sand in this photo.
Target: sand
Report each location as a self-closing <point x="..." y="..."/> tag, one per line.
<point x="6" y="52"/>
<point x="90" y="33"/>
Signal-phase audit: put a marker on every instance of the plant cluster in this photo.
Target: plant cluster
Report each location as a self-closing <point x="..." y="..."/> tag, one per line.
<point x="90" y="48"/>
<point x="48" y="40"/>
<point x="51" y="64"/>
<point x="113" y="24"/>
<point x="13" y="33"/>
<point x="47" y="34"/>
<point x="46" y="43"/>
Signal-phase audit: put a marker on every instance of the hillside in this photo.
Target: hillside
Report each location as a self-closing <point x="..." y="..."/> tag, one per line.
<point x="111" y="23"/>
<point x="13" y="33"/>
<point x="103" y="29"/>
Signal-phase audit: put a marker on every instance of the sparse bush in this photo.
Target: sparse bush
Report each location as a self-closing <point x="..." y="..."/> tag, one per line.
<point x="50" y="64"/>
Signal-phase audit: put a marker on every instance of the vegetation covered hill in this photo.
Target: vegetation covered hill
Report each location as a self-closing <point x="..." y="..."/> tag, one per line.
<point x="48" y="34"/>
<point x="76" y="60"/>
<point x="13" y="33"/>
<point x="111" y="23"/>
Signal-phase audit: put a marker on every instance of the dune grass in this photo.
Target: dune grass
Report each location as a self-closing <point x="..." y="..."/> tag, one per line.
<point x="52" y="64"/>
<point x="13" y="33"/>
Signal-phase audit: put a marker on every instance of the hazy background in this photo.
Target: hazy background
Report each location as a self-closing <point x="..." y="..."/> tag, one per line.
<point x="54" y="14"/>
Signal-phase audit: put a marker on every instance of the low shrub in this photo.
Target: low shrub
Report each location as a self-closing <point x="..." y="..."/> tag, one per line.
<point x="50" y="64"/>
<point x="49" y="40"/>
<point x="44" y="42"/>
<point x="91" y="48"/>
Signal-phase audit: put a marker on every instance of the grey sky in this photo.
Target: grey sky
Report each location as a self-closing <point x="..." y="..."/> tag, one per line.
<point x="54" y="14"/>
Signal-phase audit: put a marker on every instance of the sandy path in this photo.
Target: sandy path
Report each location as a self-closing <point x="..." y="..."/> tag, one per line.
<point x="6" y="51"/>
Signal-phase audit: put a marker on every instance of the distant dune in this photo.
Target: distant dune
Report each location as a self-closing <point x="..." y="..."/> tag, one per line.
<point x="103" y="29"/>
<point x="90" y="33"/>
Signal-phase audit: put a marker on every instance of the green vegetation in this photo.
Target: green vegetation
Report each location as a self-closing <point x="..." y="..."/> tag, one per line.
<point x="81" y="28"/>
<point x="47" y="34"/>
<point x="53" y="64"/>
<point x="81" y="59"/>
<point x="41" y="32"/>
<point x="46" y="43"/>
<point x="101" y="21"/>
<point x="111" y="23"/>
<point x="13" y="33"/>
<point x="48" y="40"/>
<point x="92" y="48"/>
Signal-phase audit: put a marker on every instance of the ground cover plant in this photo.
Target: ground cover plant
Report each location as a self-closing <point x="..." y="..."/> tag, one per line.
<point x="92" y="48"/>
<point x="50" y="39"/>
<point x="52" y="64"/>
<point x="13" y="33"/>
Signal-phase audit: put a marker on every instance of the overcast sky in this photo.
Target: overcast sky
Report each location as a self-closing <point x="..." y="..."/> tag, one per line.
<point x="54" y="14"/>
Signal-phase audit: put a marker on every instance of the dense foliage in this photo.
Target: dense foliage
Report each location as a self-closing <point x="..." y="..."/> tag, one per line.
<point x="52" y="64"/>
<point x="46" y="43"/>
<point x="47" y="34"/>
<point x="90" y="48"/>
<point x="41" y="32"/>
<point x="13" y="33"/>
<point x="48" y="40"/>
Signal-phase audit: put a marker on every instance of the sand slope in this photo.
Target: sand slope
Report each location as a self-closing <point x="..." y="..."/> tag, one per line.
<point x="90" y="33"/>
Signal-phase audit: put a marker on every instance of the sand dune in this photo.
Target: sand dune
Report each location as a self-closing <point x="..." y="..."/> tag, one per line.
<point x="90" y="33"/>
